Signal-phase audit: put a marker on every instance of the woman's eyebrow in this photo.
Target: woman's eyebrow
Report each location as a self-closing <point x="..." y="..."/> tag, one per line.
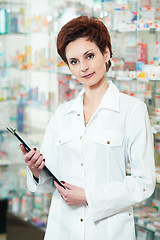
<point x="88" y="51"/>
<point x="73" y="58"/>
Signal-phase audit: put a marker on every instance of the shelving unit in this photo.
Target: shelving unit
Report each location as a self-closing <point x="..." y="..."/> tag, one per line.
<point x="135" y="70"/>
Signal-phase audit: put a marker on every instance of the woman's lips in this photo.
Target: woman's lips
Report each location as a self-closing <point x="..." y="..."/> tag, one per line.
<point x="89" y="75"/>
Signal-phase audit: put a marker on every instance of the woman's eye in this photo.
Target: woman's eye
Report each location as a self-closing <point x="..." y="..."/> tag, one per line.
<point x="91" y="55"/>
<point x="73" y="62"/>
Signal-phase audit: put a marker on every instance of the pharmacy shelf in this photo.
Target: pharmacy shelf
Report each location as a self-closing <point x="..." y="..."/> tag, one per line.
<point x="23" y="33"/>
<point x="145" y="228"/>
<point x="9" y="163"/>
<point x="134" y="29"/>
<point x="14" y="34"/>
<point x="38" y="224"/>
<point x="22" y="2"/>
<point x="125" y="79"/>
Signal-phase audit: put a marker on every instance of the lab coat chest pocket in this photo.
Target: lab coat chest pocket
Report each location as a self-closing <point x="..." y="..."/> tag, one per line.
<point x="111" y="148"/>
<point x="64" y="138"/>
<point x="64" y="141"/>
<point x="114" y="139"/>
<point x="109" y="138"/>
<point x="64" y="144"/>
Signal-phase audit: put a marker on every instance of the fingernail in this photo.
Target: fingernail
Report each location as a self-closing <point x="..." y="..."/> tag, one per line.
<point x="35" y="149"/>
<point x="62" y="182"/>
<point x="44" y="160"/>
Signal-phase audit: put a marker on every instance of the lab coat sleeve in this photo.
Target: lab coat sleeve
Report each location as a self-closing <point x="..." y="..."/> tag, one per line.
<point x="114" y="197"/>
<point x="50" y="152"/>
<point x="45" y="184"/>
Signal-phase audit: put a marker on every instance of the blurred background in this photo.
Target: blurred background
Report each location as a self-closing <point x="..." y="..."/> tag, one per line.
<point x="34" y="81"/>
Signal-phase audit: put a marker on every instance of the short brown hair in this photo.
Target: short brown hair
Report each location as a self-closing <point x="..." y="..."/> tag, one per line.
<point x="84" y="26"/>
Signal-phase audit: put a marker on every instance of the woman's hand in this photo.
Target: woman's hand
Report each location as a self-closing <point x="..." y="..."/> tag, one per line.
<point x="72" y="195"/>
<point x="34" y="160"/>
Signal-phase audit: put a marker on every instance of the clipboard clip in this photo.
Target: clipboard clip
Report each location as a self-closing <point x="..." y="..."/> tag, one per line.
<point x="11" y="130"/>
<point x="15" y="133"/>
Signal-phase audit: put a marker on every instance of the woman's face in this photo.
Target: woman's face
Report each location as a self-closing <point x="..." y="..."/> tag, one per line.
<point x="86" y="62"/>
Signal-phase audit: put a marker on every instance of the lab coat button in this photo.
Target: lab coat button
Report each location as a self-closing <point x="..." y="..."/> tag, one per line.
<point x="59" y="141"/>
<point x="129" y="214"/>
<point x="78" y="114"/>
<point x="81" y="219"/>
<point x="80" y="137"/>
<point x="144" y="189"/>
<point x="108" y="142"/>
<point x="82" y="164"/>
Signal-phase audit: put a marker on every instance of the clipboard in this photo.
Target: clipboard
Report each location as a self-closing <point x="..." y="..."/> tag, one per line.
<point x="28" y="148"/>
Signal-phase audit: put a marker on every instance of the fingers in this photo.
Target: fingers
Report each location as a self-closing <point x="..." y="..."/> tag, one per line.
<point x="29" y="156"/>
<point x="60" y="189"/>
<point x="40" y="164"/>
<point x="23" y="149"/>
<point x="68" y="186"/>
<point x="64" y="193"/>
<point x="34" y="159"/>
<point x="73" y="195"/>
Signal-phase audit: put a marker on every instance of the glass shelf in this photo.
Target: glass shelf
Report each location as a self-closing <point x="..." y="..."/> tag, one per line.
<point x="134" y="29"/>
<point x="145" y="228"/>
<point x="22" y="2"/>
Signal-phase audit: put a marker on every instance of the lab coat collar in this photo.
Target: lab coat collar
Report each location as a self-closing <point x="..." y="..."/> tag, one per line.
<point x="110" y="100"/>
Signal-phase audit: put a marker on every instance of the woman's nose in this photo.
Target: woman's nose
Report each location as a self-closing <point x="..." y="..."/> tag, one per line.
<point x="84" y="66"/>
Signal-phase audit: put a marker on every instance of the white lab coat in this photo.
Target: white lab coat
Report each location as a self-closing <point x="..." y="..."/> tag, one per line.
<point x="95" y="158"/>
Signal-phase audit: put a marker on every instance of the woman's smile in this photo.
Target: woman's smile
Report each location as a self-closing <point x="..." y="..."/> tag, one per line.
<point x="88" y="75"/>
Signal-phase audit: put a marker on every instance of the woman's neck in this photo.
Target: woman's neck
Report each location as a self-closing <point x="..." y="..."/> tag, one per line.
<point x="93" y="95"/>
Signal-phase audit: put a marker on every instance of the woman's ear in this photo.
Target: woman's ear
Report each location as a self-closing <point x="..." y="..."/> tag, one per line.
<point x="107" y="54"/>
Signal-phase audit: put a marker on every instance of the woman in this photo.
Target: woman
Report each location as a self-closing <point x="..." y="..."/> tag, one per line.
<point x="88" y="143"/>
